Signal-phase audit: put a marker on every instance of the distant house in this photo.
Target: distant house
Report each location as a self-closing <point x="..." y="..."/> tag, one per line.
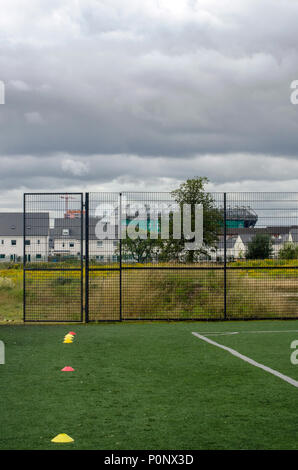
<point x="238" y="239"/>
<point x="293" y="236"/>
<point x="231" y="246"/>
<point x="11" y="236"/>
<point x="65" y="237"/>
<point x="62" y="238"/>
<point x="65" y="240"/>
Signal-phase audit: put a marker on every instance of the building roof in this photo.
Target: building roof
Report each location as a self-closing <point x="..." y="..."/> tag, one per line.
<point x="272" y="230"/>
<point x="280" y="230"/>
<point x="247" y="237"/>
<point x="11" y="224"/>
<point x="74" y="229"/>
<point x="230" y="242"/>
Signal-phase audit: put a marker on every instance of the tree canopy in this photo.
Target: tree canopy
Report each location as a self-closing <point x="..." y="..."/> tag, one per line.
<point x="260" y="247"/>
<point x="146" y="248"/>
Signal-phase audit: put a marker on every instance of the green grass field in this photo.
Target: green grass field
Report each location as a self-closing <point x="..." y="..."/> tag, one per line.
<point x="148" y="386"/>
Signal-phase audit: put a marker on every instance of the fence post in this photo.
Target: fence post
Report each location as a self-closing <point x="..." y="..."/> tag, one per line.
<point x="82" y="256"/>
<point x="86" y="257"/>
<point x="225" y="256"/>
<point x="24" y="257"/>
<point x="120" y="255"/>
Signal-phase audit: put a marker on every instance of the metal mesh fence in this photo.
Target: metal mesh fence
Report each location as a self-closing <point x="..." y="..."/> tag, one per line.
<point x="103" y="287"/>
<point x="172" y="294"/>
<point x="135" y="267"/>
<point x="261" y="252"/>
<point x="53" y="295"/>
<point x="262" y="293"/>
<point x="53" y="257"/>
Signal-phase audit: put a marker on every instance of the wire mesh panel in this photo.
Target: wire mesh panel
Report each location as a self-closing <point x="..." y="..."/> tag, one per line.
<point x="104" y="295"/>
<point x="53" y="295"/>
<point x="158" y="223"/>
<point x="53" y="257"/>
<point x="103" y="228"/>
<point x="164" y="276"/>
<point x="271" y="218"/>
<point x="103" y="257"/>
<point x="172" y="294"/>
<point x="262" y="293"/>
<point x="261" y="239"/>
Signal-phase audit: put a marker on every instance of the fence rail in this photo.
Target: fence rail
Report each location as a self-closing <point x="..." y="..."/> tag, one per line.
<point x="80" y="264"/>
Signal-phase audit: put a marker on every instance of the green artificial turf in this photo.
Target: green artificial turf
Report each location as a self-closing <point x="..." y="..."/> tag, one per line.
<point x="147" y="386"/>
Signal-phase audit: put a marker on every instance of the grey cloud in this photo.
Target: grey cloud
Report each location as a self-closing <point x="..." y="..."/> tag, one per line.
<point x="68" y="173"/>
<point x="160" y="87"/>
<point x="60" y="170"/>
<point x="153" y="92"/>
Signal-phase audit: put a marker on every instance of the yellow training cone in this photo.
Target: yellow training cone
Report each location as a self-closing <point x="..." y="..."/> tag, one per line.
<point x="62" y="439"/>
<point x="69" y="336"/>
<point x="67" y="340"/>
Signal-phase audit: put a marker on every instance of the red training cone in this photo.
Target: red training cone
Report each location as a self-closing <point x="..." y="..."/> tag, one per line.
<point x="72" y="333"/>
<point x="67" y="369"/>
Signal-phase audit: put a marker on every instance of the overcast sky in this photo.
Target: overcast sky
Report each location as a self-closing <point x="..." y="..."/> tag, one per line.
<point x="142" y="94"/>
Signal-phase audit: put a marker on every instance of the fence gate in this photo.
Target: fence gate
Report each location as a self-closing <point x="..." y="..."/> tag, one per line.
<point x="103" y="257"/>
<point x="53" y="257"/>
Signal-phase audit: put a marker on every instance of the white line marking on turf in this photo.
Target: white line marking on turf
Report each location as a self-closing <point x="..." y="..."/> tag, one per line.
<point x="249" y="360"/>
<point x="252" y="332"/>
<point x="271" y="331"/>
<point x="223" y="334"/>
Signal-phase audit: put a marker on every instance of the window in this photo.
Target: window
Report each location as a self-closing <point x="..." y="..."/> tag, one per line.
<point x="65" y="231"/>
<point x="63" y="245"/>
<point x="99" y="243"/>
<point x="115" y="243"/>
<point x="2" y="242"/>
<point x="13" y="242"/>
<point x="38" y="256"/>
<point x="71" y="245"/>
<point x="2" y="256"/>
<point x="27" y="242"/>
<point x="38" y="242"/>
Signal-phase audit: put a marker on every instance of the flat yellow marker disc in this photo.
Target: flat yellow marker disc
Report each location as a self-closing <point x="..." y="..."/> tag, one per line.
<point x="62" y="439"/>
<point x="67" y="340"/>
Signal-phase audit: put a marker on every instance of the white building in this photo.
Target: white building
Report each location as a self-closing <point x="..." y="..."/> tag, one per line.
<point x="68" y="237"/>
<point x="12" y="241"/>
<point x="238" y="240"/>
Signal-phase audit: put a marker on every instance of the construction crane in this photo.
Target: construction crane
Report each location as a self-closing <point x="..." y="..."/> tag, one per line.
<point x="67" y="197"/>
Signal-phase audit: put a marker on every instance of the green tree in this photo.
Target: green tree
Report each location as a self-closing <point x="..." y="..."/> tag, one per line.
<point x="288" y="251"/>
<point x="142" y="250"/>
<point x="193" y="192"/>
<point x="260" y="247"/>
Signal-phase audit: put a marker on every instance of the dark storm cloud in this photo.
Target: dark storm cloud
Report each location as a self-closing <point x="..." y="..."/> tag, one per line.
<point x="99" y="93"/>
